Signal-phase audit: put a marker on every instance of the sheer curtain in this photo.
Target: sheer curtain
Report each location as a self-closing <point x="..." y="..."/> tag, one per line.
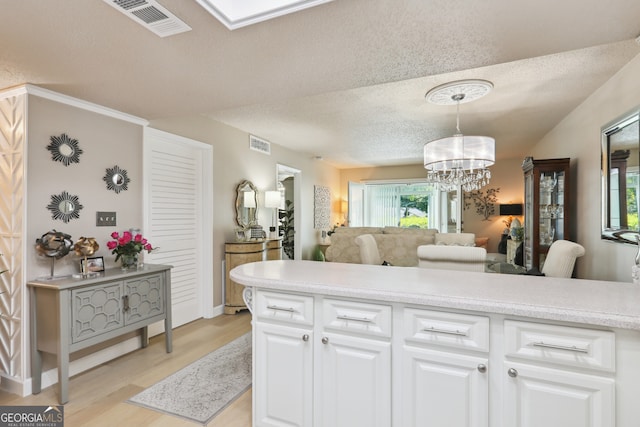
<point x="402" y="203"/>
<point x="382" y="205"/>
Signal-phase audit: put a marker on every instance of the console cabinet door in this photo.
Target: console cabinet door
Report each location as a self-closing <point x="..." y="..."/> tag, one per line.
<point x="283" y="386"/>
<point x="444" y="389"/>
<point x="541" y="397"/>
<point x="96" y="310"/>
<point x="355" y="382"/>
<point x="144" y="298"/>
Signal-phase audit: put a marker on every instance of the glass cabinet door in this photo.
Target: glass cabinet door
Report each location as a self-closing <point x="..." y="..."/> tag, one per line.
<point x="528" y="221"/>
<point x="551" y="207"/>
<point x="546" y="207"/>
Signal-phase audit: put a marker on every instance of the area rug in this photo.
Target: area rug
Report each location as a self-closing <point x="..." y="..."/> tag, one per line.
<point x="201" y="390"/>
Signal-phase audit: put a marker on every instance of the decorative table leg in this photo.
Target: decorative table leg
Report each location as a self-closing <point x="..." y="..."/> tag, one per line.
<point x="36" y="357"/>
<point x="247" y="296"/>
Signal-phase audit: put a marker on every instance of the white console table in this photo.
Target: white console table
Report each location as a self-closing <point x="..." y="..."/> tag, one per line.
<point x="366" y="345"/>
<point x="70" y="314"/>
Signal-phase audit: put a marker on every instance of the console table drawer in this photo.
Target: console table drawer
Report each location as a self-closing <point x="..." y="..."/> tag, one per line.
<point x="283" y="307"/>
<point x="563" y="345"/>
<point x="359" y="317"/>
<point x="446" y="329"/>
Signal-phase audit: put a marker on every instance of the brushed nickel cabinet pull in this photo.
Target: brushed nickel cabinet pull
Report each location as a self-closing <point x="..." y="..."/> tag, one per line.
<point x="355" y="319"/>
<point x="278" y="308"/>
<point x="561" y="347"/>
<point x="445" y="331"/>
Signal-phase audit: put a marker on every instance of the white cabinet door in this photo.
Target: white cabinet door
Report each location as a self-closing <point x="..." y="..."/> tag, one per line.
<point x="355" y="383"/>
<point x="541" y="397"/>
<point x="283" y="386"/>
<point x="444" y="389"/>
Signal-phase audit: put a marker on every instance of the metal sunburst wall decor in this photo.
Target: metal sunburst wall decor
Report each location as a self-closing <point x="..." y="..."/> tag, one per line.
<point x="64" y="149"/>
<point x="116" y="179"/>
<point x="64" y="207"/>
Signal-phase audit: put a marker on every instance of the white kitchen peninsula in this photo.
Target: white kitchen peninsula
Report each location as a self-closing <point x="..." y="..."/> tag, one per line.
<point x="361" y="345"/>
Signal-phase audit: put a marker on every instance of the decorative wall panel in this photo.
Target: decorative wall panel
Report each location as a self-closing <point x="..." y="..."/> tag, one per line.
<point x="12" y="146"/>
<point x="322" y="207"/>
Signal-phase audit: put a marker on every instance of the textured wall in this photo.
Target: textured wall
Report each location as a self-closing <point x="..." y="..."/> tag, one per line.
<point x="12" y="206"/>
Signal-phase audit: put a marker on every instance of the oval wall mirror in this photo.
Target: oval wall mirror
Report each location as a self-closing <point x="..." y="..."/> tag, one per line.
<point x="621" y="179"/>
<point x="246" y="204"/>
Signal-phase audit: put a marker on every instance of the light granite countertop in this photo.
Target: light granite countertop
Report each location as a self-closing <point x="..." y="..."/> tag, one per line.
<point x="591" y="302"/>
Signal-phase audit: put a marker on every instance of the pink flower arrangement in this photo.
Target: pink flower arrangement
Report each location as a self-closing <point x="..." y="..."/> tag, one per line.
<point x="128" y="244"/>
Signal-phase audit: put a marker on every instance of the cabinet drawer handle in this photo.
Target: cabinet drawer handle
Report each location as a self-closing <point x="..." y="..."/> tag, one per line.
<point x="325" y="340"/>
<point x="355" y="319"/>
<point x="561" y="347"/>
<point x="278" y="308"/>
<point x="445" y="331"/>
<point x="125" y="303"/>
<point x="512" y="373"/>
<point x="482" y="368"/>
<point x="305" y="337"/>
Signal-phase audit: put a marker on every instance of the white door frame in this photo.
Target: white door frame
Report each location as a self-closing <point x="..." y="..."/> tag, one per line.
<point x="297" y="205"/>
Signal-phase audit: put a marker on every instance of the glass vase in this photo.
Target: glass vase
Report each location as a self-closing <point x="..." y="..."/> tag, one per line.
<point x="128" y="262"/>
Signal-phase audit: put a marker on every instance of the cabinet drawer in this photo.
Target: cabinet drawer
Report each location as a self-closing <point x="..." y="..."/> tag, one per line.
<point x="360" y="317"/>
<point x="564" y="345"/>
<point x="446" y="329"/>
<point x="289" y="308"/>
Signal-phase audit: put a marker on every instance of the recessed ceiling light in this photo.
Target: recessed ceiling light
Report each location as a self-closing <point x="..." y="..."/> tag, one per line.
<point x="236" y="14"/>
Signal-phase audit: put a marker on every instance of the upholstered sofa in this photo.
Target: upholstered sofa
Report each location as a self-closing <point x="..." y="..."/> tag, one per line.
<point x="395" y="245"/>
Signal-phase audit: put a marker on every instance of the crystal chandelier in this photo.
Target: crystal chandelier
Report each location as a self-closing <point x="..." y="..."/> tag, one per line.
<point x="459" y="160"/>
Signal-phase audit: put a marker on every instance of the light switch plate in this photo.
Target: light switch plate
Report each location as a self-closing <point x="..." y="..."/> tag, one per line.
<point x="105" y="219"/>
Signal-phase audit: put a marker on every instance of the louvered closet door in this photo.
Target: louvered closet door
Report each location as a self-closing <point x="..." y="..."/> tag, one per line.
<point x="177" y="217"/>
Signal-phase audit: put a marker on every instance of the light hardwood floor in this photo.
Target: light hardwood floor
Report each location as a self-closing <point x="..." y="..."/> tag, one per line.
<point x="98" y="397"/>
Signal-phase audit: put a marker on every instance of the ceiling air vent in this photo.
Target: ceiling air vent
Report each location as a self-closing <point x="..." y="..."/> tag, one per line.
<point x="151" y="15"/>
<point x="260" y="145"/>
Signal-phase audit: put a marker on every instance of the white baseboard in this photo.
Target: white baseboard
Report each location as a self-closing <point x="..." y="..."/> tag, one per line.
<point x="217" y="311"/>
<point x="14" y="386"/>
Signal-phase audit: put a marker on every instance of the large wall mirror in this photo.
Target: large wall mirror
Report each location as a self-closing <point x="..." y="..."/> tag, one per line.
<point x="621" y="179"/>
<point x="246" y="204"/>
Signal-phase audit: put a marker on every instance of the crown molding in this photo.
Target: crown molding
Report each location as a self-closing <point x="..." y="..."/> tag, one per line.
<point x="74" y="102"/>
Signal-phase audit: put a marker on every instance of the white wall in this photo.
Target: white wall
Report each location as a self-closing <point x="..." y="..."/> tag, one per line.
<point x="578" y="137"/>
<point x="105" y="142"/>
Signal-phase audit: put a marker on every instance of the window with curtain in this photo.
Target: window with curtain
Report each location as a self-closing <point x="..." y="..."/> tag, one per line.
<point x="399" y="204"/>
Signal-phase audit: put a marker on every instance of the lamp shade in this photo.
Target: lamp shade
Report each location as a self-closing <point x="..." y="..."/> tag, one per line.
<point x="511" y="209"/>
<point x="459" y="152"/>
<point x="272" y="199"/>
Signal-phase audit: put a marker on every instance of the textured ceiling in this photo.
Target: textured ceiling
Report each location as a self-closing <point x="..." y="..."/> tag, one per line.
<point x="344" y="80"/>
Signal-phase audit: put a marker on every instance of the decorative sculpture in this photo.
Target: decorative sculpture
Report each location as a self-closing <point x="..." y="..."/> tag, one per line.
<point x="55" y="245"/>
<point x="84" y="247"/>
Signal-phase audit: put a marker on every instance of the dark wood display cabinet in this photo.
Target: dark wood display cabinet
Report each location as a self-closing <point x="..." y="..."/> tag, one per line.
<point x="547" y="210"/>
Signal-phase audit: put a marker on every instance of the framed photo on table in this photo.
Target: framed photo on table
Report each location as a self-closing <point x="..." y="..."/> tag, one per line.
<point x="93" y="265"/>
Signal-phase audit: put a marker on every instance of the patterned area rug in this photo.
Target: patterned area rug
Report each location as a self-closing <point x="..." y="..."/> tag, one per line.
<point x="201" y="390"/>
